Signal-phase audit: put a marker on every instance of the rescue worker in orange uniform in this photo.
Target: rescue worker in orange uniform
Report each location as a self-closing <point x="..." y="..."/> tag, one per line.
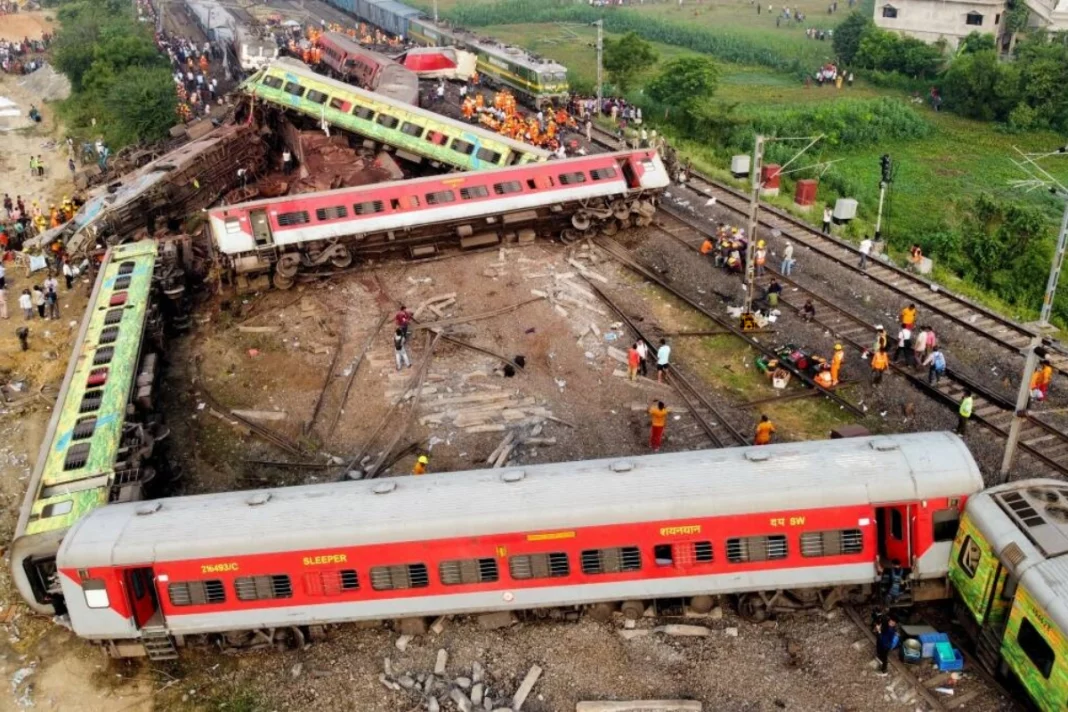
<point x="836" y="363"/>
<point x="764" y="430"/>
<point x="908" y="316"/>
<point x="880" y="361"/>
<point x="706" y="246"/>
<point x="421" y="465"/>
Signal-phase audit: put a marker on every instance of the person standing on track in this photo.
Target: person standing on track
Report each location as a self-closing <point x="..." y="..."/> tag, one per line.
<point x="663" y="360"/>
<point x="886" y="640"/>
<point x="764" y="430"/>
<point x="633" y="359"/>
<point x="658" y="414"/>
<point x="836" y="363"/>
<point x="827" y="215"/>
<point x="400" y="350"/>
<point x="787" y="260"/>
<point x="403" y="318"/>
<point x="865" y="252"/>
<point x="964" y="413"/>
<point x="879" y="363"/>
<point x="908" y="317"/>
<point x="643" y="355"/>
<point x="904" y="346"/>
<point x="287" y="161"/>
<point x="936" y="363"/>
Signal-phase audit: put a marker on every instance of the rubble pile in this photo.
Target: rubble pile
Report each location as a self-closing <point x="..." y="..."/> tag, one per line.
<point x="329" y="162"/>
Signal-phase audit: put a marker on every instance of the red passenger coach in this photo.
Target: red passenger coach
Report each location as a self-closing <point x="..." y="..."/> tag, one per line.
<point x="798" y="521"/>
<point x="566" y="198"/>
<point x="349" y="61"/>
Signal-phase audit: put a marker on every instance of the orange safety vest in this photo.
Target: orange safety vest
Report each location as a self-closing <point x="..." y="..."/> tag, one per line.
<point x="658" y="416"/>
<point x="706" y="247"/>
<point x="763" y="433"/>
<point x="880" y="361"/>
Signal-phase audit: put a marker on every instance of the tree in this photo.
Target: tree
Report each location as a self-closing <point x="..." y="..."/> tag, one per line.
<point x="978" y="86"/>
<point x="685" y="80"/>
<point x="848" y="33"/>
<point x="626" y="58"/>
<point x="73" y="50"/>
<point x="141" y="105"/>
<point x="918" y="59"/>
<point x="976" y="42"/>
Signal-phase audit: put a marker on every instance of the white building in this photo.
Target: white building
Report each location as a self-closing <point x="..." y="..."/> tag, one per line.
<point x="931" y="20"/>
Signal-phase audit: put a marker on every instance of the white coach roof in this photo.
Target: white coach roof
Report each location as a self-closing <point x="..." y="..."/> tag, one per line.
<point x="789" y="476"/>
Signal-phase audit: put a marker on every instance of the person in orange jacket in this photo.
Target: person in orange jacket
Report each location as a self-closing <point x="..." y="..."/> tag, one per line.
<point x="658" y="414"/>
<point x="836" y="363"/>
<point x="764" y="430"/>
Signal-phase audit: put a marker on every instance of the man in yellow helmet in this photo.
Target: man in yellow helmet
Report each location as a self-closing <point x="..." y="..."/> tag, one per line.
<point x="421" y="465"/>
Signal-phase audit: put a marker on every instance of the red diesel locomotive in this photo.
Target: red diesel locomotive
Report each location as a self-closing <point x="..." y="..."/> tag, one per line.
<point x="792" y="523"/>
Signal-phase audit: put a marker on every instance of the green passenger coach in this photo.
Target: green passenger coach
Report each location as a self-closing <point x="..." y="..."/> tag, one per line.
<point x="416" y="133"/>
<point x="1009" y="567"/>
<point x="93" y="450"/>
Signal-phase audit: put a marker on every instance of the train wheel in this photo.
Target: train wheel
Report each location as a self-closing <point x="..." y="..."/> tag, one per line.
<point x="580" y="221"/>
<point x="752" y="608"/>
<point x="569" y="235"/>
<point x="288" y="265"/>
<point x="283" y="282"/>
<point x="609" y="228"/>
<point x="632" y="610"/>
<point x="342" y="258"/>
<point x="601" y="612"/>
<point x="702" y="604"/>
<point x="643" y="221"/>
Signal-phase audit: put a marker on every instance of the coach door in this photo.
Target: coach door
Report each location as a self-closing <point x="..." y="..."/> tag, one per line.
<point x="894" y="535"/>
<point x="261" y="228"/>
<point x="141" y="590"/>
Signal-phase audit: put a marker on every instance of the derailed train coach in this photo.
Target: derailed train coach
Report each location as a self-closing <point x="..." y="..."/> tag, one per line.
<point x="147" y="578"/>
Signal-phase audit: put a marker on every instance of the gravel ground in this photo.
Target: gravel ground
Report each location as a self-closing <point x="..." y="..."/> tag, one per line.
<point x="812" y="661"/>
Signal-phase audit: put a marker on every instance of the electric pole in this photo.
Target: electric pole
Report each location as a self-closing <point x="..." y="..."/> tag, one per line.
<point x="600" y="62"/>
<point x="1038" y="177"/>
<point x="435" y="12"/>
<point x="751" y="226"/>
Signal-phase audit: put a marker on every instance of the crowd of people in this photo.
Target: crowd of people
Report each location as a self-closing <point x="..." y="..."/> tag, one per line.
<point x="543" y="128"/>
<point x="23" y="56"/>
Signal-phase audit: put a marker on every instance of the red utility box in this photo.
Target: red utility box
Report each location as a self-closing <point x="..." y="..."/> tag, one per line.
<point x="805" y="192"/>
<point x="769" y="176"/>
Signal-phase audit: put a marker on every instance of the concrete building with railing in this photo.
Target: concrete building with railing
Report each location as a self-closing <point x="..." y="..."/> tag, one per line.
<point x="931" y="20"/>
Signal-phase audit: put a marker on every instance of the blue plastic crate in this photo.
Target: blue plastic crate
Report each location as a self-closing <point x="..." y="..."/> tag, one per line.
<point x="946" y="663"/>
<point x="929" y="640"/>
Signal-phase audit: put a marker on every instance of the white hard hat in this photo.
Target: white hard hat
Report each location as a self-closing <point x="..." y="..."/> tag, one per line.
<point x="878" y="327"/>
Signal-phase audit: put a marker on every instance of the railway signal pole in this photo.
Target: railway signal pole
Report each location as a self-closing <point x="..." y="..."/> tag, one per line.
<point x="1038" y="177"/>
<point x="887" y="176"/>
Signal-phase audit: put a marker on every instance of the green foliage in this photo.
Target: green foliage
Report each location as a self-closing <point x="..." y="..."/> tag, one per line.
<point x="977" y="85"/>
<point x="890" y="52"/>
<point x="1017" y="16"/>
<point x="726" y="46"/>
<point x="118" y="76"/>
<point x="684" y="80"/>
<point x="846" y="123"/>
<point x="848" y="34"/>
<point x="626" y="58"/>
<point x="976" y="42"/>
<point x="1043" y="82"/>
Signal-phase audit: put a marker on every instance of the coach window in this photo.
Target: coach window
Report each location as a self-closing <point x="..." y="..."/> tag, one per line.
<point x="611" y="561"/>
<point x="474" y="191"/>
<point x="488" y="155"/>
<point x="832" y="543"/>
<point x="756" y="548"/>
<point x="970" y="556"/>
<point x="683" y="553"/>
<point x="96" y="594"/>
<point x="532" y="566"/>
<point x="331" y="582"/>
<point x="512" y="186"/>
<point x="316" y="96"/>
<point x="460" y="571"/>
<point x="108" y="335"/>
<point x="369" y="208"/>
<point x="255" y="588"/>
<point x="386" y="120"/>
<point x="196" y="593"/>
<point x="340" y="105"/>
<point x="1036" y="648"/>
<point x="57" y="509"/>
<point x="389" y="578"/>
<point x="296" y="217"/>
<point x="410" y="129"/>
<point x="362" y="112"/>
<point x="603" y="173"/>
<point x="77" y="456"/>
<point x="462" y="147"/>
<point x="441" y="196"/>
<point x="945" y="522"/>
<point x="273" y="82"/>
<point x="294" y="89"/>
<point x="334" y="213"/>
<point x="572" y="178"/>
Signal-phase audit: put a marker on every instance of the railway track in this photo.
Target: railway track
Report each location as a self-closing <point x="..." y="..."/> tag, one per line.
<point x="932" y="298"/>
<point x="1038" y="439"/>
<point x="712" y="425"/>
